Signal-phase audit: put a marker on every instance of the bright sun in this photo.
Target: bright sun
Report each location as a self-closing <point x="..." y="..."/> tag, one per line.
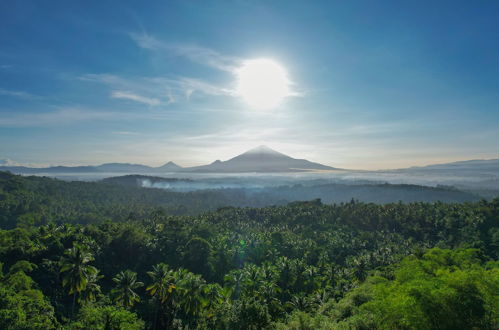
<point x="262" y="83"/>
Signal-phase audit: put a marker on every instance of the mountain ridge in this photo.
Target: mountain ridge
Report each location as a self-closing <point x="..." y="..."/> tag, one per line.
<point x="260" y="159"/>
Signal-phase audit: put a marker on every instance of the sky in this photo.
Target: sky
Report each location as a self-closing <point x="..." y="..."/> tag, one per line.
<point x="371" y="84"/>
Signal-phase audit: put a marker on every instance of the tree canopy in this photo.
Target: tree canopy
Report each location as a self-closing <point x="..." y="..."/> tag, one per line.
<point x="305" y="265"/>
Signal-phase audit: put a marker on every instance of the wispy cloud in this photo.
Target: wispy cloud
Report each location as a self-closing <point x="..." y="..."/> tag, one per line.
<point x="165" y="90"/>
<point x="58" y="117"/>
<point x="18" y="94"/>
<point x="155" y="90"/>
<point x="124" y="133"/>
<point x="194" y="53"/>
<point x="205" y="56"/>
<point x="135" y="97"/>
<point x="192" y="85"/>
<point x="170" y="97"/>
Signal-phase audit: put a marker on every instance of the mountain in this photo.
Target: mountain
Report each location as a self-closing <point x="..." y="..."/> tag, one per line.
<point x="261" y="159"/>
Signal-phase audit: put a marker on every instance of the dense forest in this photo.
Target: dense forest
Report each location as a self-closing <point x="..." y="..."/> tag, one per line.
<point x="101" y="256"/>
<point x="33" y="200"/>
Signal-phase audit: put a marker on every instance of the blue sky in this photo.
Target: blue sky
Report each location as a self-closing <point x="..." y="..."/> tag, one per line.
<point x="377" y="84"/>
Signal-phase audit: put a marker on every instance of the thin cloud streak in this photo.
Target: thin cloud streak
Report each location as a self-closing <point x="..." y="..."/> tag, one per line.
<point x="58" y="117"/>
<point x="155" y="90"/>
<point x="125" y="133"/>
<point x="18" y="94"/>
<point x="135" y="97"/>
<point x="197" y="54"/>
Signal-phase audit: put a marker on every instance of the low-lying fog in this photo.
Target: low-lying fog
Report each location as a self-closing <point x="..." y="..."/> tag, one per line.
<point x="199" y="181"/>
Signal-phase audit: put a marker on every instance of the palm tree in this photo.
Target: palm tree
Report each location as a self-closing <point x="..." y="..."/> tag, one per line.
<point x="76" y="271"/>
<point x="126" y="282"/>
<point x="162" y="286"/>
<point x="213" y="294"/>
<point x="190" y="288"/>
<point x="92" y="289"/>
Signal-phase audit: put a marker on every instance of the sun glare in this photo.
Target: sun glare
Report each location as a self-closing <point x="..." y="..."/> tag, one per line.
<point x="262" y="83"/>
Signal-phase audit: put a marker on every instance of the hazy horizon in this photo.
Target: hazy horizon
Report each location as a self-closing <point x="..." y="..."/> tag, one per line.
<point x="9" y="162"/>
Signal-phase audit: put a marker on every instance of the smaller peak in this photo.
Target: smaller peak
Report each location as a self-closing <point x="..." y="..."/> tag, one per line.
<point x="170" y="164"/>
<point x="218" y="161"/>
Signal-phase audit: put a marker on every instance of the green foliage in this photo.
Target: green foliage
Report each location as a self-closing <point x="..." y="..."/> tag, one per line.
<point x="444" y="289"/>
<point x="106" y="318"/>
<point x="304" y="321"/>
<point x="22" y="266"/>
<point x="197" y="257"/>
<point x="22" y="306"/>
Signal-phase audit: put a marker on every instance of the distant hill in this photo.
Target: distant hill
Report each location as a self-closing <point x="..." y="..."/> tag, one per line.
<point x="261" y="159"/>
<point x="328" y="192"/>
<point x="124" y="167"/>
<point x="104" y="168"/>
<point x="482" y="165"/>
<point x="49" y="170"/>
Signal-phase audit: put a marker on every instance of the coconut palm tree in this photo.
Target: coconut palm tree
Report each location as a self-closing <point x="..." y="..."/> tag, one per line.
<point x="76" y="271"/>
<point x="92" y="289"/>
<point x="162" y="287"/>
<point x="190" y="288"/>
<point x="126" y="283"/>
